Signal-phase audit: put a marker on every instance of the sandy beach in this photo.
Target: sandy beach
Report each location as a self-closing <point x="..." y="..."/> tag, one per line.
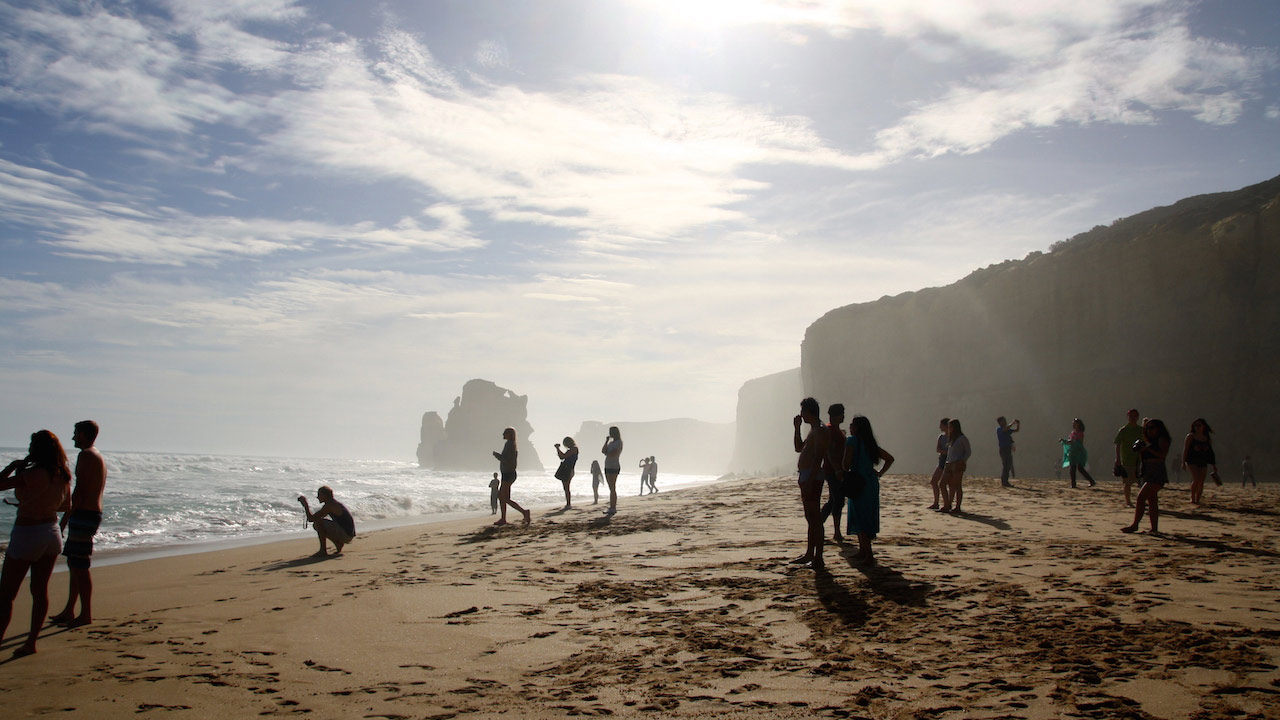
<point x="1033" y="605"/>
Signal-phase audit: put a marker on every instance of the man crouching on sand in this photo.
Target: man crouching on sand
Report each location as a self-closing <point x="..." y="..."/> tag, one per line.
<point x="812" y="449"/>
<point x="338" y="526"/>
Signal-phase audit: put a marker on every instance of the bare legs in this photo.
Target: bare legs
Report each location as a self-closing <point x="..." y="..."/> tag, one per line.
<point x="1128" y="488"/>
<point x="935" y="482"/>
<point x="568" y="503"/>
<point x="814" y="534"/>
<point x="322" y="531"/>
<point x="953" y="486"/>
<point x="504" y="499"/>
<point x="611" y="478"/>
<point x="11" y="577"/>
<point x="1197" y="481"/>
<point x="81" y="587"/>
<point x="1148" y="497"/>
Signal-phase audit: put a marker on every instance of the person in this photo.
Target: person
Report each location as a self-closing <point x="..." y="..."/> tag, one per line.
<point x="653" y="474"/>
<point x="1004" y="442"/>
<point x="813" y="451"/>
<point x="564" y="473"/>
<point x="833" y="470"/>
<point x="1198" y="457"/>
<point x="612" y="451"/>
<point x="507" y="464"/>
<point x="494" y="484"/>
<point x="332" y="522"/>
<point x="597" y="475"/>
<point x="41" y="482"/>
<point x="644" y="474"/>
<point x="83" y="522"/>
<point x="1074" y="456"/>
<point x="1152" y="449"/>
<point x="1127" y="458"/>
<point x="861" y="455"/>
<point x="941" y="449"/>
<point x="1246" y="472"/>
<point x="958" y="452"/>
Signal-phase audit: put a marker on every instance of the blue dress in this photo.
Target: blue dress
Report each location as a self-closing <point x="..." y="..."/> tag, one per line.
<point x="864" y="508"/>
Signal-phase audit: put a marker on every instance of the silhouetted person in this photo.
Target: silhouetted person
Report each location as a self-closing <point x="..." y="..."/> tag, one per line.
<point x="1152" y="451"/>
<point x="958" y="453"/>
<point x="833" y="469"/>
<point x="861" y="455"/>
<point x="564" y="473"/>
<point x="507" y="466"/>
<point x="494" y="484"/>
<point x="653" y="474"/>
<point x="1004" y="443"/>
<point x="332" y="522"/>
<point x="941" y="449"/>
<point x="597" y="476"/>
<point x="1127" y="459"/>
<point x="1246" y="472"/>
<point x="82" y="522"/>
<point x="42" y="484"/>
<point x="813" y="450"/>
<point x="612" y="451"/>
<point x="1198" y="456"/>
<point x="644" y="474"/>
<point x="1076" y="455"/>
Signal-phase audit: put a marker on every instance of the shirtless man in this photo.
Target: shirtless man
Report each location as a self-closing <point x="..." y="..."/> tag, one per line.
<point x="813" y="451"/>
<point x="83" y="520"/>
<point x="332" y="521"/>
<point x="832" y="471"/>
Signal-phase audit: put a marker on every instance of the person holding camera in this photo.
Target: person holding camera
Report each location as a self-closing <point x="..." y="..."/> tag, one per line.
<point x="332" y="522"/>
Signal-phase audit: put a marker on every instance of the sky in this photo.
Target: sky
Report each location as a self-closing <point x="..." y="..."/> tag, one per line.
<point x="286" y="228"/>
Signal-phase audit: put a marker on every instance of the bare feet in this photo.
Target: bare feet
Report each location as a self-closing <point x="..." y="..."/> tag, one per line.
<point x="838" y="538"/>
<point x="933" y="506"/>
<point x="319" y="553"/>
<point x="528" y="517"/>
<point x="502" y="522"/>
<point x="61" y="618"/>
<point x="25" y="650"/>
<point x="1129" y="529"/>
<point x="337" y="548"/>
<point x="802" y="560"/>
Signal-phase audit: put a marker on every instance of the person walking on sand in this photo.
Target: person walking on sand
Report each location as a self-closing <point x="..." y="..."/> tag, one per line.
<point x="653" y="474"/>
<point x="332" y="522"/>
<point x="612" y="451"/>
<point x="1074" y="455"/>
<point x="494" y="484"/>
<point x="507" y="464"/>
<point x="832" y="470"/>
<point x="1127" y="459"/>
<point x="564" y="473"/>
<point x="1152" y="450"/>
<point x="861" y="455"/>
<point x="644" y="474"/>
<point x="83" y="522"/>
<point x="941" y="449"/>
<point x="41" y="482"/>
<point x="1004" y="443"/>
<point x="813" y="450"/>
<point x="958" y="452"/>
<point x="1198" y="457"/>
<point x="1246" y="472"/>
<point x="597" y="475"/>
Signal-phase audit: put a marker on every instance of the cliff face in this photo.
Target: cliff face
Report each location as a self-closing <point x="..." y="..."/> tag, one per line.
<point x="431" y="433"/>
<point x="1175" y="311"/>
<point x="766" y="405"/>
<point x="690" y="447"/>
<point x="473" y="430"/>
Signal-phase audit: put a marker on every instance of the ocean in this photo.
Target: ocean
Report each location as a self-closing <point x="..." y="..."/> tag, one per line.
<point x="162" y="503"/>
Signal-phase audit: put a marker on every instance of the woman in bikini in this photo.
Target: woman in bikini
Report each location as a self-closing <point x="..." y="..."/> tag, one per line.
<point x="1198" y="457"/>
<point x="1153" y="448"/>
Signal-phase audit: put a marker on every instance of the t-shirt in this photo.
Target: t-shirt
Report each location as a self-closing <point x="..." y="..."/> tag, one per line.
<point x="1125" y="438"/>
<point x="959" y="450"/>
<point x="1004" y="438"/>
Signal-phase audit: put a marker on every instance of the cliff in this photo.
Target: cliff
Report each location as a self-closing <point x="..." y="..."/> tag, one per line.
<point x="473" y="429"/>
<point x="1174" y="311"/>
<point x="690" y="447"/>
<point x="431" y="433"/>
<point x="762" y="441"/>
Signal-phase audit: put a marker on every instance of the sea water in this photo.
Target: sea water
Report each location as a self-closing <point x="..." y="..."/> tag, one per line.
<point x="159" y="502"/>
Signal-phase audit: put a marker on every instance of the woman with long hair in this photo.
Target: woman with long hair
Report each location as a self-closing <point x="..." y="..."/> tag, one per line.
<point x="507" y="464"/>
<point x="612" y="451"/>
<point x="862" y="481"/>
<point x="42" y="484"/>
<point x="564" y="473"/>
<point x="597" y="476"/>
<point x="1152" y="449"/>
<point x="1197" y="456"/>
<point x="958" y="452"/>
<point x="1076" y="455"/>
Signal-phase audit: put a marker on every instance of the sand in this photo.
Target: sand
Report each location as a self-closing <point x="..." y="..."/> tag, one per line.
<point x="1032" y="606"/>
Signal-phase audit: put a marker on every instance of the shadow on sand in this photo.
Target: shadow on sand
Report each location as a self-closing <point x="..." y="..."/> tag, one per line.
<point x="16" y="641"/>
<point x="984" y="519"/>
<point x="1219" y="546"/>
<point x="294" y="563"/>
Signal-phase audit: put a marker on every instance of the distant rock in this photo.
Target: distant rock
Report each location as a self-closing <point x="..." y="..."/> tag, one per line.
<point x="685" y="446"/>
<point x="766" y="405"/>
<point x="429" y="436"/>
<point x="473" y="430"/>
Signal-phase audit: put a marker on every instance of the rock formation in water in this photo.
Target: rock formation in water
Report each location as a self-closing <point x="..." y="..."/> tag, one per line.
<point x="762" y="441"/>
<point x="473" y="430"/>
<point x="689" y="447"/>
<point x="431" y="433"/>
<point x="1174" y="311"/>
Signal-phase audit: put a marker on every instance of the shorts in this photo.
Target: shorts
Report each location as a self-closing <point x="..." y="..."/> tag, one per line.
<point x="1132" y="471"/>
<point x="332" y="530"/>
<point x="509" y="477"/>
<point x="810" y="485"/>
<point x="33" y="543"/>
<point x="81" y="528"/>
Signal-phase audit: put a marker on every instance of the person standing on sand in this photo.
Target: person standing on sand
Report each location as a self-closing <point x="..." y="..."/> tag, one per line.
<point x="83" y="521"/>
<point x="332" y="522"/>
<point x="958" y="452"/>
<point x="653" y="474"/>
<point x="42" y="484"/>
<point x="612" y="451"/>
<point x="1246" y="472"/>
<point x="507" y="464"/>
<point x="1127" y="459"/>
<point x="832" y="466"/>
<point x="644" y="474"/>
<point x="1152" y="449"/>
<point x="597" y="475"/>
<point x="1075" y="456"/>
<point x="813" y="451"/>
<point x="564" y="473"/>
<point x="1004" y="442"/>
<point x="941" y="448"/>
<point x="1198" y="457"/>
<point x="494" y="484"/>
<point x="861" y="455"/>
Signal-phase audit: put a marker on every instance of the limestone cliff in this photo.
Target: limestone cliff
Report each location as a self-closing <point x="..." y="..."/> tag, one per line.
<point x="1175" y="311"/>
<point x="431" y="433"/>
<point x="762" y="441"/>
<point x="690" y="447"/>
<point x="473" y="430"/>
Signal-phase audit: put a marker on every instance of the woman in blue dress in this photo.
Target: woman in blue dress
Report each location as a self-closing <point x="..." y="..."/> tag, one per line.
<point x="861" y="455"/>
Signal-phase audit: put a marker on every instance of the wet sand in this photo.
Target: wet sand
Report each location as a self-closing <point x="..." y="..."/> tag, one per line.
<point x="1033" y="605"/>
